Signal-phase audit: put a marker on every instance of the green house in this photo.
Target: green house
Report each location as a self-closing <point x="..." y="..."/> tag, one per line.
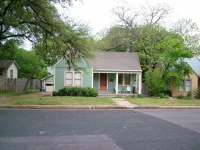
<point x="112" y="72"/>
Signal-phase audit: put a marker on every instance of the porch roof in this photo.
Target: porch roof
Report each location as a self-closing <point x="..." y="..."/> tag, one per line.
<point x="115" y="61"/>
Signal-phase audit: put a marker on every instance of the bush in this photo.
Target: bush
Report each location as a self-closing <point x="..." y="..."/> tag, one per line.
<point x="140" y="96"/>
<point x="196" y="93"/>
<point x="189" y="95"/>
<point x="76" y="91"/>
<point x="162" y="95"/>
<point x="180" y="97"/>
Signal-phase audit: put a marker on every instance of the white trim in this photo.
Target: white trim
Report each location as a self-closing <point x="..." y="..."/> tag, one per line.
<point x="54" y="78"/>
<point x="116" y="70"/>
<point x="58" y="62"/>
<point x="140" y="84"/>
<point x="92" y="84"/>
<point x="73" y="74"/>
<point x="116" y="84"/>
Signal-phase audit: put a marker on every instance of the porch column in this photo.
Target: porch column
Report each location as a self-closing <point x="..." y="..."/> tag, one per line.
<point x="92" y="80"/>
<point x="116" y="84"/>
<point x="140" y="83"/>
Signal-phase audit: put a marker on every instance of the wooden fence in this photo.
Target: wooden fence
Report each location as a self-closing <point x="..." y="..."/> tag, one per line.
<point x="17" y="85"/>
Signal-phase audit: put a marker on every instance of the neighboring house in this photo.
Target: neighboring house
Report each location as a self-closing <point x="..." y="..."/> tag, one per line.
<point x="108" y="71"/>
<point x="191" y="83"/>
<point x="9" y="69"/>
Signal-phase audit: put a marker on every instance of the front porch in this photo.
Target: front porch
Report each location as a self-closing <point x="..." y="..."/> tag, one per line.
<point x="116" y="83"/>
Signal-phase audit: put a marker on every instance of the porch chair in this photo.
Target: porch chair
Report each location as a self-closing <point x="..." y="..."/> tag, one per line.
<point x="118" y="89"/>
<point x="128" y="89"/>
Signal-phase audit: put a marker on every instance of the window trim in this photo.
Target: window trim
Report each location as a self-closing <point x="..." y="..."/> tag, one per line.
<point x="73" y="78"/>
<point x="123" y="79"/>
<point x="183" y="89"/>
<point x="11" y="74"/>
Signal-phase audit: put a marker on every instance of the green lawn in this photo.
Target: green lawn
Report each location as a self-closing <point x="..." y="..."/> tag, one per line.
<point x="10" y="93"/>
<point x="65" y="100"/>
<point x="163" y="102"/>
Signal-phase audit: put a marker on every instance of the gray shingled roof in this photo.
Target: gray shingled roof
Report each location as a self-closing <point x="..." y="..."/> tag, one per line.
<point x="194" y="63"/>
<point x="116" y="61"/>
<point x="7" y="63"/>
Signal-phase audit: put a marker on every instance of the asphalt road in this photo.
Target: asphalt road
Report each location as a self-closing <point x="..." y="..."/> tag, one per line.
<point x="99" y="130"/>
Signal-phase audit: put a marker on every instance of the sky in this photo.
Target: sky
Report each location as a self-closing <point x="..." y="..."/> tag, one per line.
<point x="98" y="15"/>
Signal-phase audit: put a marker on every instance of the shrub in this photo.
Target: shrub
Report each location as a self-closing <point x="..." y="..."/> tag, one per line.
<point x="140" y="96"/>
<point x="76" y="91"/>
<point x="189" y="95"/>
<point x="180" y="97"/>
<point x="196" y="93"/>
<point x="162" y="95"/>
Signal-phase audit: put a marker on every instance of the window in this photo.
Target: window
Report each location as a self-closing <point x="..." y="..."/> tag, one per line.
<point x="127" y="79"/>
<point x="69" y="78"/>
<point x="77" y="79"/>
<point x="124" y="79"/>
<point x="120" y="79"/>
<point x="73" y="78"/>
<point x="1" y="72"/>
<point x="11" y="74"/>
<point x="187" y="86"/>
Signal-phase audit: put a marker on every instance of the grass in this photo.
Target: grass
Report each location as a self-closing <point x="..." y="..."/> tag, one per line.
<point x="65" y="100"/>
<point x="7" y="94"/>
<point x="4" y="93"/>
<point x="14" y="99"/>
<point x="163" y="102"/>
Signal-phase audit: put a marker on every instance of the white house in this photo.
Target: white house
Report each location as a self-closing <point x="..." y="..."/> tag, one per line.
<point x="9" y="69"/>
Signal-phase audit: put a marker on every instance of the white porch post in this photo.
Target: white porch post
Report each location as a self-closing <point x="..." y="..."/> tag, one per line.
<point x="140" y="83"/>
<point x="92" y="80"/>
<point x="116" y="84"/>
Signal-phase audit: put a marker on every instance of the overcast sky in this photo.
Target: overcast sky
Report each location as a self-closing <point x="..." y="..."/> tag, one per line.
<point x="97" y="13"/>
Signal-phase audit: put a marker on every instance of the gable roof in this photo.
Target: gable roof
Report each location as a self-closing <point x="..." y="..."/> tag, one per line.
<point x="5" y="64"/>
<point x="116" y="61"/>
<point x="194" y="63"/>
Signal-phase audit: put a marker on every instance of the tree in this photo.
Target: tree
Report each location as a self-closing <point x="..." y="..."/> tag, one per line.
<point x="170" y="68"/>
<point x="8" y="49"/>
<point x="161" y="51"/>
<point x="190" y="33"/>
<point x="28" y="19"/>
<point x="25" y="59"/>
<point x="40" y="23"/>
<point x="115" y="39"/>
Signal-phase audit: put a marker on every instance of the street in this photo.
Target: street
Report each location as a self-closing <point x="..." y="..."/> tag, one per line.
<point x="99" y="129"/>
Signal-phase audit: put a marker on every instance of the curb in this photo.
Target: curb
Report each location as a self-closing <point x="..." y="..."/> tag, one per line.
<point x="93" y="107"/>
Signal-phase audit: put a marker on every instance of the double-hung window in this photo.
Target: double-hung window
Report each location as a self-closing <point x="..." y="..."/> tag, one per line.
<point x="73" y="78"/>
<point x="187" y="86"/>
<point x="124" y="79"/>
<point x="11" y="74"/>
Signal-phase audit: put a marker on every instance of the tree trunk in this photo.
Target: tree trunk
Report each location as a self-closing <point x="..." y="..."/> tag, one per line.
<point x="32" y="73"/>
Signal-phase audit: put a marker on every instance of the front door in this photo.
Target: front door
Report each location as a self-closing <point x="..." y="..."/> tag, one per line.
<point x="103" y="81"/>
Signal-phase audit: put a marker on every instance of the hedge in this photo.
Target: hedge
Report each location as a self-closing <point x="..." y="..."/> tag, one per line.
<point x="76" y="91"/>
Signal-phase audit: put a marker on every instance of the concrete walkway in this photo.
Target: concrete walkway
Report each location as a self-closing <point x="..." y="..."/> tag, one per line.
<point x="123" y="103"/>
